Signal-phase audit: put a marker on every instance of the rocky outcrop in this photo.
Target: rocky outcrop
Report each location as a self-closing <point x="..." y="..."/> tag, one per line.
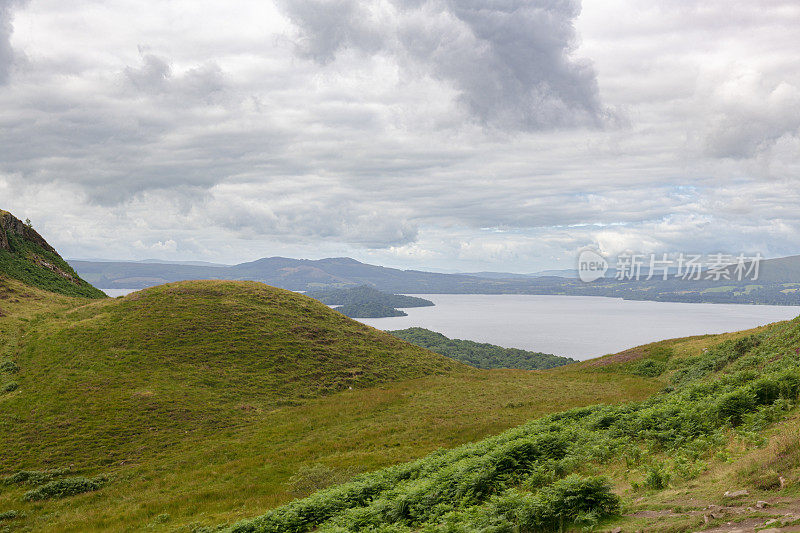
<point x="9" y="224"/>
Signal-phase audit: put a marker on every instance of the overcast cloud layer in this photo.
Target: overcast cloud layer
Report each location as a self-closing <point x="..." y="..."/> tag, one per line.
<point x="456" y="134"/>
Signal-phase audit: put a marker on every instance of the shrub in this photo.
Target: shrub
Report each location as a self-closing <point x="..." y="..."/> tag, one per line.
<point x="735" y="405"/>
<point x="63" y="488"/>
<point x="34" y="477"/>
<point x="568" y="500"/>
<point x="10" y="387"/>
<point x="11" y="515"/>
<point x="657" y="478"/>
<point x="648" y="368"/>
<point x="9" y="366"/>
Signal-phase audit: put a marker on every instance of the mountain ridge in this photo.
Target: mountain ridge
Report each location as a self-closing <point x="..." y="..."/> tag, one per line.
<point x="778" y="283"/>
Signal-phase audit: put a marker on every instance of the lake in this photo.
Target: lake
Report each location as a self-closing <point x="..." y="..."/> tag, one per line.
<point x="581" y="327"/>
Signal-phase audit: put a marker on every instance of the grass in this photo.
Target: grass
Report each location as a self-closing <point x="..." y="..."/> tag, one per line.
<point x="200" y="401"/>
<point x="728" y="393"/>
<point x="38" y="267"/>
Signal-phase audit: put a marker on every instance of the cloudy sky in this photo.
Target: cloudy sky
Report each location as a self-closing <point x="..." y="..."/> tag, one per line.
<point x="445" y="134"/>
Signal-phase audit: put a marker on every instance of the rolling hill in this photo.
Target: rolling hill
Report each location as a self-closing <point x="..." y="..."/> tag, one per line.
<point x="208" y="405"/>
<point x="224" y="392"/>
<point x="201" y="402"/>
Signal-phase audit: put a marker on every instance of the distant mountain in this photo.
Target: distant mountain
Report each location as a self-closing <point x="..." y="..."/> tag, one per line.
<point x="26" y="256"/>
<point x="293" y="274"/>
<point x="779" y="282"/>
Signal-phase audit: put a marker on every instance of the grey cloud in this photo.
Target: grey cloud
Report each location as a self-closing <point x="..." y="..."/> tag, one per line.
<point x="151" y="76"/>
<point x="753" y="121"/>
<point x="330" y="25"/>
<point x="320" y="214"/>
<point x="510" y="60"/>
<point x="155" y="76"/>
<point x="6" y="29"/>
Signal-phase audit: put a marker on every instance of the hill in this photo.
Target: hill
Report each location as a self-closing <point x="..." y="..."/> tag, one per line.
<point x="26" y="256"/>
<point x="287" y="273"/>
<point x="478" y="354"/>
<point x="367" y="302"/>
<point x="578" y="469"/>
<point x="365" y="294"/>
<point x="779" y="282"/>
<point x="226" y="393"/>
<point x="369" y="310"/>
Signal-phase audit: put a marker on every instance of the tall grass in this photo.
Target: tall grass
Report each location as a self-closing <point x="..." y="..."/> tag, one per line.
<point x="497" y="482"/>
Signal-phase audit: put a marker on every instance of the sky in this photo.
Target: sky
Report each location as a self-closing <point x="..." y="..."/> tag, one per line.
<point x="456" y="135"/>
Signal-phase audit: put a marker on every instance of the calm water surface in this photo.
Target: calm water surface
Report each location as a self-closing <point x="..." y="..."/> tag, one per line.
<point x="576" y="326"/>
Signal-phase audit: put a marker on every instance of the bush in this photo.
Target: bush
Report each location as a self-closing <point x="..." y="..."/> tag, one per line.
<point x="735" y="405"/>
<point x="34" y="477"/>
<point x="568" y="500"/>
<point x="657" y="478"/>
<point x="63" y="488"/>
<point x="648" y="368"/>
<point x="10" y="387"/>
<point x="10" y="515"/>
<point x="9" y="366"/>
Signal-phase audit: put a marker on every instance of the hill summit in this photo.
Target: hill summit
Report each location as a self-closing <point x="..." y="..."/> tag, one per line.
<point x="26" y="256"/>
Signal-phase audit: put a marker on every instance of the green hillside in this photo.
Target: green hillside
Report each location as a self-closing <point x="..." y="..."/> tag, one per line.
<point x="186" y="357"/>
<point x="26" y="256"/>
<point x="204" y="404"/>
<point x="209" y="402"/>
<point x="577" y="468"/>
<point x="480" y="354"/>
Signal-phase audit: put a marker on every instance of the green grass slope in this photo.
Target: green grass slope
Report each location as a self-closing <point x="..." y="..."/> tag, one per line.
<point x="581" y="468"/>
<point x="26" y="256"/>
<point x="205" y="402"/>
<point x="189" y="356"/>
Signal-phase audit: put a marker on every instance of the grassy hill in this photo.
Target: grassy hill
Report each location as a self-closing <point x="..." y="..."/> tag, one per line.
<point x="577" y="468"/>
<point x="207" y="402"/>
<point x="26" y="256"/>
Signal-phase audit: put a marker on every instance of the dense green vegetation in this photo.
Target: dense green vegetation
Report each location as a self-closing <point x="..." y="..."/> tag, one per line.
<point x="367" y="302"/>
<point x="365" y="294"/>
<point x="369" y="310"/>
<point x="26" y="257"/>
<point x="516" y="481"/>
<point x="478" y="354"/>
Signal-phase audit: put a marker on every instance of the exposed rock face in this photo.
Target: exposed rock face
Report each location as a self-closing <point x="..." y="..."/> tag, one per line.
<point x="11" y="224"/>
